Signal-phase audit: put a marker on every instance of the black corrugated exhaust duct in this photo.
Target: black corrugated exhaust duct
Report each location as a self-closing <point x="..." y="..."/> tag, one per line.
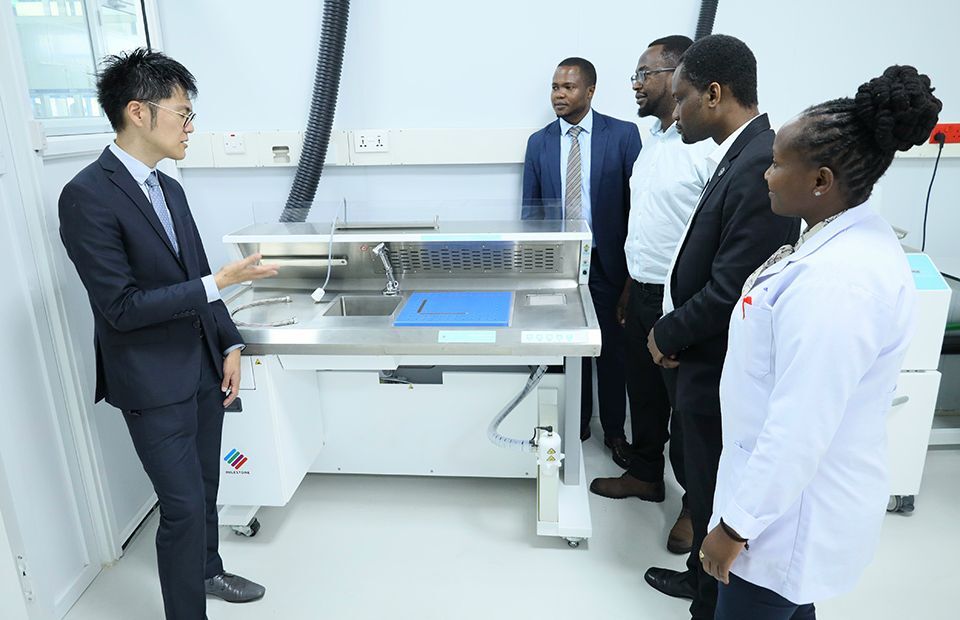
<point x="326" y="85"/>
<point x="708" y="13"/>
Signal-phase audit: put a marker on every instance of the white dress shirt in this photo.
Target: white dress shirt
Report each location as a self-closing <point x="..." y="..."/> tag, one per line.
<point x="140" y="171"/>
<point x="715" y="157"/>
<point x="814" y="355"/>
<point x="566" y="141"/>
<point x="668" y="178"/>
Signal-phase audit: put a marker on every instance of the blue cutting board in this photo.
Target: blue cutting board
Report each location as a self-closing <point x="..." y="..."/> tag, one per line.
<point x="454" y="309"/>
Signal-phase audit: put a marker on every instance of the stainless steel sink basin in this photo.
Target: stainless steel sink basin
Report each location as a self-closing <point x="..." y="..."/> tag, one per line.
<point x="363" y="305"/>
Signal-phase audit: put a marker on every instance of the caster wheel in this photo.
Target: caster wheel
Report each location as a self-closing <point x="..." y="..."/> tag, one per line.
<point x="901" y="504"/>
<point x="249" y="530"/>
<point x="573" y="543"/>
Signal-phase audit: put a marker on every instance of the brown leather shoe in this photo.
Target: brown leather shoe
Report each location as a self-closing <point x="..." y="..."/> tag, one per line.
<point x="680" y="540"/>
<point x="627" y="486"/>
<point x="621" y="451"/>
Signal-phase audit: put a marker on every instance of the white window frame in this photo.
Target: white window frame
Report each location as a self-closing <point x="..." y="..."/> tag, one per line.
<point x="73" y="136"/>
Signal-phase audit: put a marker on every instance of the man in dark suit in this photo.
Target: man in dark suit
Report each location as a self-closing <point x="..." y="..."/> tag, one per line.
<point x="168" y="353"/>
<point x="579" y="167"/>
<point x="732" y="231"/>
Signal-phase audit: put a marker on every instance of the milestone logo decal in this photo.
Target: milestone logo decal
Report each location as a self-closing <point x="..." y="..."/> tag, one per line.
<point x="236" y="460"/>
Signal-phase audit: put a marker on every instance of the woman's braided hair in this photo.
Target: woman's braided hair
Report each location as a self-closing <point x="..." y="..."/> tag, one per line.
<point x="857" y="138"/>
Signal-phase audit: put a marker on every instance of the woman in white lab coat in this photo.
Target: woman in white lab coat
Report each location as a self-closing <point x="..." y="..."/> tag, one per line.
<point x="815" y="348"/>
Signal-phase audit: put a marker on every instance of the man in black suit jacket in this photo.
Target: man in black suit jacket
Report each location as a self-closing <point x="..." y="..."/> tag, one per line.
<point x="607" y="148"/>
<point x="168" y="353"/>
<point x="730" y="234"/>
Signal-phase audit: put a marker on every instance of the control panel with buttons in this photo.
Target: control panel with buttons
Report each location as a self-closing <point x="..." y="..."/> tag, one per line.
<point x="553" y="337"/>
<point x="584" y="275"/>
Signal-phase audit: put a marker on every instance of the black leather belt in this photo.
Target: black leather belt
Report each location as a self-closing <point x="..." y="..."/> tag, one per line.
<point x="650" y="288"/>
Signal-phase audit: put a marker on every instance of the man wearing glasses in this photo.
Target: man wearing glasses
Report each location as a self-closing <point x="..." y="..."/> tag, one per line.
<point x="168" y="353"/>
<point x="667" y="179"/>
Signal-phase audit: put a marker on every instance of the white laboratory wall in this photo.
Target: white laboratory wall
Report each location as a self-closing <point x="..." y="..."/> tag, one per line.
<point x="441" y="64"/>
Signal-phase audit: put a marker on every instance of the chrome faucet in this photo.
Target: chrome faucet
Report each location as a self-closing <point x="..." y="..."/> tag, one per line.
<point x="393" y="287"/>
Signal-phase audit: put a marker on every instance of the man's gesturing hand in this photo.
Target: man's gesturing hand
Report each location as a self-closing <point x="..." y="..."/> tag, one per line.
<point x="243" y="271"/>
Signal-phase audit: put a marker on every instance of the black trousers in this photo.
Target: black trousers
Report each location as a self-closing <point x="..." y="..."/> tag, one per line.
<point x="702" y="444"/>
<point x="611" y="378"/>
<point x="742" y="599"/>
<point x="652" y="391"/>
<point x="179" y="447"/>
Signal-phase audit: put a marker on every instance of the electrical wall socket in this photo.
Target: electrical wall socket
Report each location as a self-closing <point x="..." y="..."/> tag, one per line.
<point x="371" y="141"/>
<point x="234" y="143"/>
<point x="236" y="149"/>
<point x="950" y="130"/>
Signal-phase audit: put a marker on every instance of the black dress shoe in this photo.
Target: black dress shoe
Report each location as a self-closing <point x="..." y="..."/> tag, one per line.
<point x="584" y="434"/>
<point x="608" y="442"/>
<point x="622" y="455"/>
<point x="234" y="588"/>
<point x="670" y="582"/>
<point x="621" y="450"/>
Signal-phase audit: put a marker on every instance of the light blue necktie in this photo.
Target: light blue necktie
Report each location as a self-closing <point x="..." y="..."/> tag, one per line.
<point x="160" y="206"/>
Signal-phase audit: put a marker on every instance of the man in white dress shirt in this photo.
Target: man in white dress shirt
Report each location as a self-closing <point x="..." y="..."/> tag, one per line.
<point x="667" y="180"/>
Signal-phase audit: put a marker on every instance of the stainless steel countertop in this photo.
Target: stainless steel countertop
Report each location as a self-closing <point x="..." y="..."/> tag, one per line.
<point x="570" y="329"/>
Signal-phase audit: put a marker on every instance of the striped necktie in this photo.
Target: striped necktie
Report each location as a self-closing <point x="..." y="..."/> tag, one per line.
<point x="160" y="207"/>
<point x="572" y="197"/>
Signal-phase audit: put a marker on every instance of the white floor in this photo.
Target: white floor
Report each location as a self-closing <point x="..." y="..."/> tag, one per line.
<point x="460" y="549"/>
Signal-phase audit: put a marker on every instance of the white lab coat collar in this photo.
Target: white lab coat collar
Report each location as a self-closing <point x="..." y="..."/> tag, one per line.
<point x="846" y="220"/>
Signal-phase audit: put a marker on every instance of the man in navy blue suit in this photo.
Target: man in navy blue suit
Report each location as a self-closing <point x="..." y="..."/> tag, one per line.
<point x="579" y="167"/>
<point x="168" y="353"/>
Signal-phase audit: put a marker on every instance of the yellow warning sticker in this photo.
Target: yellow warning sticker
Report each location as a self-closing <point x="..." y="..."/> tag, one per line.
<point x="551" y="459"/>
<point x="551" y="451"/>
<point x="258" y="363"/>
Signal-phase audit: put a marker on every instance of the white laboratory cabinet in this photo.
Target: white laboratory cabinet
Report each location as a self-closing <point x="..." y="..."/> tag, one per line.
<point x="911" y="415"/>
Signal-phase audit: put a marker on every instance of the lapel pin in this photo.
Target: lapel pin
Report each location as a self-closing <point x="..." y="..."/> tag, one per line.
<point x="722" y="170"/>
